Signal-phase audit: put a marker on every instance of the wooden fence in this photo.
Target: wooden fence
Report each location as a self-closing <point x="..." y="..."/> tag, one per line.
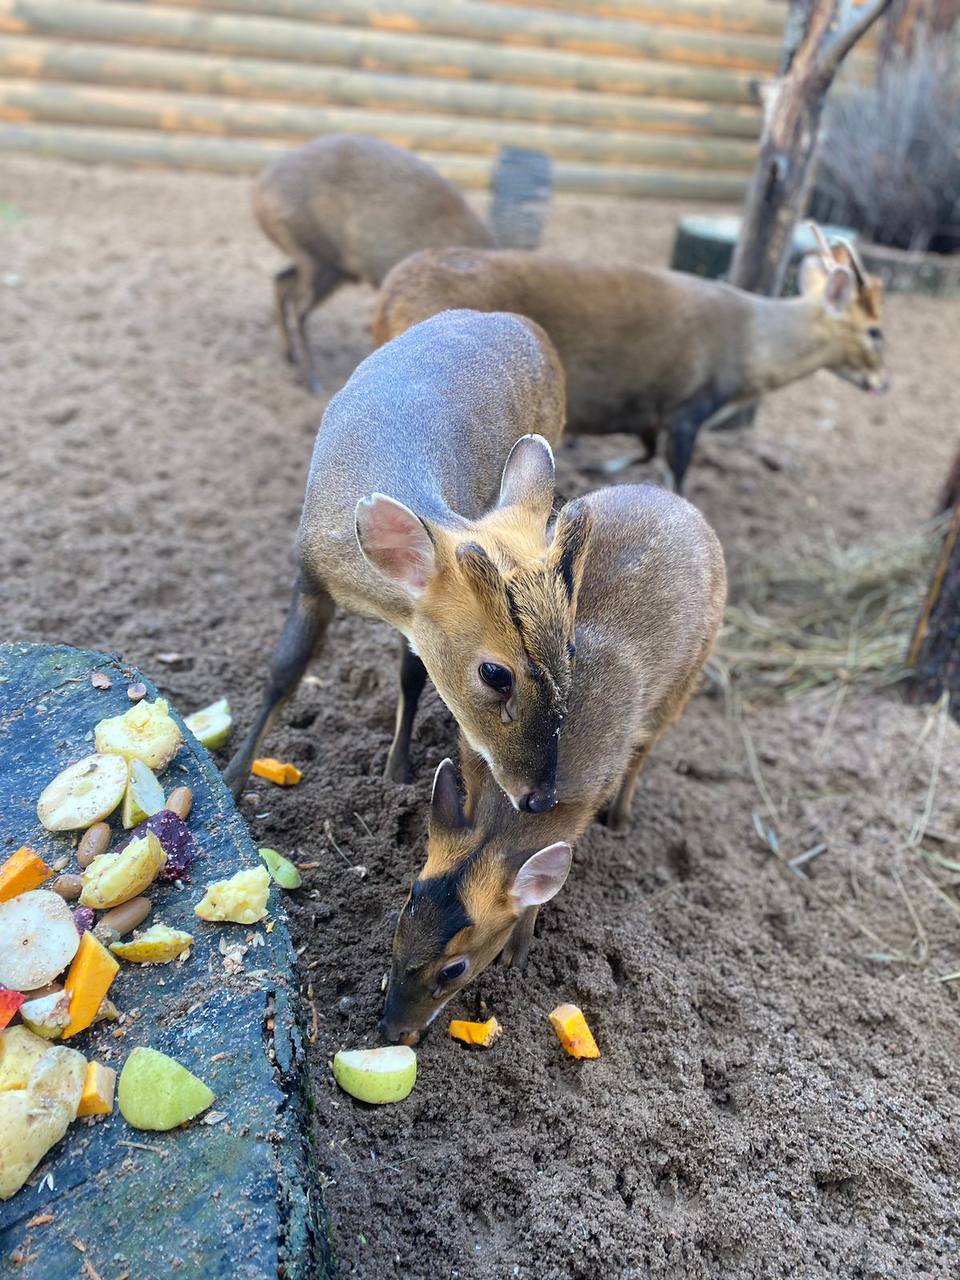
<point x="636" y="97"/>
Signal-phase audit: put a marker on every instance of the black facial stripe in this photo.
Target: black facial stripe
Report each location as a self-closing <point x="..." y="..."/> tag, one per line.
<point x="442" y="893"/>
<point x="515" y="619"/>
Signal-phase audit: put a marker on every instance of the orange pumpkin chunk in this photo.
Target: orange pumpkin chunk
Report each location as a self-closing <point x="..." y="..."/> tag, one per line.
<point x="98" y="1087"/>
<point x="88" y="981"/>
<point x="481" y="1034"/>
<point x="21" y="872"/>
<point x="278" y="771"/>
<point x="572" y="1031"/>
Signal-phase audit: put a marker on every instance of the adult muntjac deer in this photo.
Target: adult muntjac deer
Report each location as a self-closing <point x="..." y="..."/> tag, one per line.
<point x="650" y="351"/>
<point x="651" y="602"/>
<point x="348" y="207"/>
<point x="430" y="492"/>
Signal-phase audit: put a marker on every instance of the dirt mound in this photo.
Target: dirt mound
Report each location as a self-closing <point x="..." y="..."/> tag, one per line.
<point x="777" y="1093"/>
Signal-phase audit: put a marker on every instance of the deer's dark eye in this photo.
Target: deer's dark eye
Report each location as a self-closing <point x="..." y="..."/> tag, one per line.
<point x="450" y="972"/>
<point x="496" y="677"/>
<point x="875" y="333"/>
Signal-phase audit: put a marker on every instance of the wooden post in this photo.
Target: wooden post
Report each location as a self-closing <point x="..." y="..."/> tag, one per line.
<point x="934" y="654"/>
<point x="820" y="34"/>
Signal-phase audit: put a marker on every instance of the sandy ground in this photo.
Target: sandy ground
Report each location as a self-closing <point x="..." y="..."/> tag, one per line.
<point x="778" y="1092"/>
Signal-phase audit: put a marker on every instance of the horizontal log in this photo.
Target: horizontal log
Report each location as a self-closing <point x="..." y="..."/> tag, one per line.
<point x="426" y="56"/>
<point x="197" y="113"/>
<point x="510" y="25"/>
<point x="180" y="71"/>
<point x="241" y="155"/>
<point x="750" y="17"/>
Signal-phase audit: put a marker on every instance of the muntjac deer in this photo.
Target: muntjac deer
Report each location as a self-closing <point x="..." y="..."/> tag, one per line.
<point x="428" y="502"/>
<point x="651" y="602"/>
<point x="649" y="351"/>
<point x="348" y="207"/>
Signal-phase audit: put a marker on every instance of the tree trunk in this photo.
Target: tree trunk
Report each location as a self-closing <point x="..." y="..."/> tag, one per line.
<point x="934" y="654"/>
<point x="820" y="33"/>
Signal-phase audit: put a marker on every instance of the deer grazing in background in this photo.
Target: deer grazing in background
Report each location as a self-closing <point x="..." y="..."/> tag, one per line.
<point x="428" y="502"/>
<point x="651" y="602"/>
<point x="658" y="352"/>
<point x="348" y="207"/>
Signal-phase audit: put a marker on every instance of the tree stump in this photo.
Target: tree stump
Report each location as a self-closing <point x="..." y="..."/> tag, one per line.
<point x="934" y="654"/>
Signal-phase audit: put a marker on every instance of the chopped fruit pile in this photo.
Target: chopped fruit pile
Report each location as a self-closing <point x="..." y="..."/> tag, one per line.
<point x="65" y="932"/>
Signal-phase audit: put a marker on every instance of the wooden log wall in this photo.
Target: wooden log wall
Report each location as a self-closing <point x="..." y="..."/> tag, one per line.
<point x="628" y="97"/>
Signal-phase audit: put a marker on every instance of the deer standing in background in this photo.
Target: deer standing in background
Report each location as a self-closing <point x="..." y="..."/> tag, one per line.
<point x="658" y="353"/>
<point x="349" y="207"/>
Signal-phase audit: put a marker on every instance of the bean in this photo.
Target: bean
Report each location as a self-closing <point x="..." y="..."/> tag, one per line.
<point x="122" y="919"/>
<point x="68" y="887"/>
<point x="180" y="801"/>
<point x="96" y="840"/>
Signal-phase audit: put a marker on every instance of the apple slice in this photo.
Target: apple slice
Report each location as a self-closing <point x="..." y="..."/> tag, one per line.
<point x="156" y="1092"/>
<point x="156" y="945"/>
<point x="84" y="793"/>
<point x="143" y="797"/>
<point x="146" y="732"/>
<point x="47" y="1015"/>
<point x="38" y="939"/>
<point x="376" y="1075"/>
<point x="117" y="877"/>
<point x="213" y="725"/>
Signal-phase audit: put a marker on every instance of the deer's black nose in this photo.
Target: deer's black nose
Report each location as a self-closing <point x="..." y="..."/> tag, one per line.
<point x="394" y="1033"/>
<point x="539" y="800"/>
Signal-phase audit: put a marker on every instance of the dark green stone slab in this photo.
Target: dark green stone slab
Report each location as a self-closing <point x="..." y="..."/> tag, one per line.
<point x="231" y="1199"/>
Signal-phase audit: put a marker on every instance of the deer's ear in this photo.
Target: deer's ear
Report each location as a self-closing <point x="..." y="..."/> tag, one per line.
<point x="568" y="551"/>
<point x="395" y="541"/>
<point x="446" y="808"/>
<point x="529" y="476"/>
<point x="542" y="876"/>
<point x="839" y="291"/>
<point x="812" y="274"/>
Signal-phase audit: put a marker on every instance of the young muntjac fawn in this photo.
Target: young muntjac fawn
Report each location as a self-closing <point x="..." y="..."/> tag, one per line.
<point x="428" y="503"/>
<point x="347" y="207"/>
<point x="651" y="601"/>
<point x="649" y="351"/>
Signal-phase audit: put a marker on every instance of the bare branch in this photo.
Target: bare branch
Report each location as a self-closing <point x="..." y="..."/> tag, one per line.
<point x="852" y="20"/>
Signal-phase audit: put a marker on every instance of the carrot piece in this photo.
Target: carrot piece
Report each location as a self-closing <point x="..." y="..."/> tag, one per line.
<point x="98" y="1086"/>
<point x="88" y="981"/>
<point x="572" y="1031"/>
<point x="22" y="871"/>
<point x="278" y="771"/>
<point x="481" y="1034"/>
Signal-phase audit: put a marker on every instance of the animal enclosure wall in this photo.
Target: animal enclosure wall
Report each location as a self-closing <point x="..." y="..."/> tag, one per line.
<point x="628" y="97"/>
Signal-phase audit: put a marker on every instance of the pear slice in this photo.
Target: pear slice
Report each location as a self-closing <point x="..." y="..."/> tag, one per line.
<point x="143" y="797"/>
<point x="380" y="1075"/>
<point x="212" y="725"/>
<point x="156" y="1092"/>
<point x="84" y="793"/>
<point x="38" y="939"/>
